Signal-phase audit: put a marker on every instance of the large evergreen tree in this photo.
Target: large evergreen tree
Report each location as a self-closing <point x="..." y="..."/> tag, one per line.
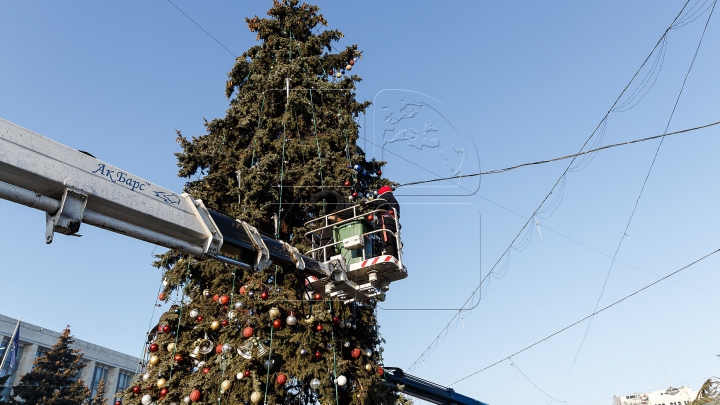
<point x="239" y="336"/>
<point x="54" y="378"/>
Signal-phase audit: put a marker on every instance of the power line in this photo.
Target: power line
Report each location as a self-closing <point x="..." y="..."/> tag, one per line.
<point x="589" y="316"/>
<point x="539" y="162"/>
<point x="642" y="189"/>
<point x="199" y="26"/>
<point x="570" y="165"/>
<point x="513" y="364"/>
<point x="559" y="180"/>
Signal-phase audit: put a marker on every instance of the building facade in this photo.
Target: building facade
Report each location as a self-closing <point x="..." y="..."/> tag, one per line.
<point x="115" y="368"/>
<point x="670" y="396"/>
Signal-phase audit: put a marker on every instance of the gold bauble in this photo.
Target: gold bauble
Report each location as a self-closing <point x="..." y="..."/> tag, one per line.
<point x="225" y="385"/>
<point x="255" y="397"/>
<point x="368" y="367"/>
<point x="160" y="383"/>
<point x="215" y="325"/>
<point x="171" y="347"/>
<point x="154" y="360"/>
<point x="274" y="312"/>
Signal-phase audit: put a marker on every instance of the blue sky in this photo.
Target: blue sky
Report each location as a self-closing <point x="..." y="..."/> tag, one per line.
<point x="490" y="84"/>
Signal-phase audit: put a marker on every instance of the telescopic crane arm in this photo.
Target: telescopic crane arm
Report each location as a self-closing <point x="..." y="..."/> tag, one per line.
<point x="73" y="187"/>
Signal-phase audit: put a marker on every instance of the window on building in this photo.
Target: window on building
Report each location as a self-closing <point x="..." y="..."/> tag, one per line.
<point x="41" y="351"/>
<point x="5" y="391"/>
<point x="124" y="379"/>
<point x="100" y="373"/>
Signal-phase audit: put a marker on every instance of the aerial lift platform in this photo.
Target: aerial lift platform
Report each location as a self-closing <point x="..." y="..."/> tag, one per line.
<point x="73" y="187"/>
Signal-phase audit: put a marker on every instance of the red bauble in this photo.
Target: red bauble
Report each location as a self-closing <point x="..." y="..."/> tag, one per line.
<point x="281" y="379"/>
<point x="380" y="371"/>
<point x="247" y="373"/>
<point x="242" y="290"/>
<point x="335" y="319"/>
<point x="224" y="322"/>
<point x="178" y="358"/>
<point x="379" y="172"/>
<point x="161" y="296"/>
<point x="164" y="392"/>
<point x="216" y="297"/>
<point x="218" y="349"/>
<point x="318" y="327"/>
<point x="167" y="328"/>
<point x="355" y="353"/>
<point x="355" y="194"/>
<point x="332" y="73"/>
<point x="224" y="299"/>
<point x="160" y="328"/>
<point x="317" y="297"/>
<point x="352" y="62"/>
<point x="154" y="348"/>
<point x="136" y="390"/>
<point x="370" y="217"/>
<point x="264" y="295"/>
<point x="118" y="403"/>
<point x="206" y="370"/>
<point x="318" y="354"/>
<point x="277" y="324"/>
<point x="247" y="332"/>
<point x="199" y="318"/>
<point x="347" y="183"/>
<point x="195" y="395"/>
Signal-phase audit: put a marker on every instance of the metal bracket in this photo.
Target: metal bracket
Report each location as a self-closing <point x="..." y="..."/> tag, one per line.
<point x="296" y="256"/>
<point x="214" y="241"/>
<point x="263" y="259"/>
<point x="68" y="217"/>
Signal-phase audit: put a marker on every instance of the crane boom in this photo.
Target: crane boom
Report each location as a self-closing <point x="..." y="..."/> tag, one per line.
<point x="426" y="390"/>
<point x="73" y="187"/>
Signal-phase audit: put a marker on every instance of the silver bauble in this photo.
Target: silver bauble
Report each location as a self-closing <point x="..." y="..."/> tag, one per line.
<point x="146" y="399"/>
<point x="291" y="320"/>
<point x="194" y="313"/>
<point x="226" y="347"/>
<point x="315" y="383"/>
<point x="341" y="380"/>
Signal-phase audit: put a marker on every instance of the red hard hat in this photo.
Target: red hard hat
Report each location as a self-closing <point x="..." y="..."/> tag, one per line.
<point x="385" y="189"/>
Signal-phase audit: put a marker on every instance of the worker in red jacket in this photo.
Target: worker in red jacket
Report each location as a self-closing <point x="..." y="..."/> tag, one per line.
<point x="388" y="220"/>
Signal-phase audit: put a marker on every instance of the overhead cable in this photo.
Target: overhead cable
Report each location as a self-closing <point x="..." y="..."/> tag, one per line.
<point x="552" y="189"/>
<point x="539" y="162"/>
<point x="589" y="316"/>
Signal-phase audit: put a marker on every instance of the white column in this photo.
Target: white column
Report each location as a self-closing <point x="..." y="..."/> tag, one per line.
<point x="111" y="383"/>
<point x="86" y="373"/>
<point x="25" y="362"/>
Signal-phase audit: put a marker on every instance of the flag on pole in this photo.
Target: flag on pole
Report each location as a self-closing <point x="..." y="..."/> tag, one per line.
<point x="13" y="347"/>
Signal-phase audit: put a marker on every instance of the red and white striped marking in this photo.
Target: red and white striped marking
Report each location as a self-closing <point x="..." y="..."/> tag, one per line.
<point x="379" y="259"/>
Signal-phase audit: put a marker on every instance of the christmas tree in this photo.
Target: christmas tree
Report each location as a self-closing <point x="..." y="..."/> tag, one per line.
<point x="53" y="379"/>
<point x="99" y="397"/>
<point x="238" y="336"/>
